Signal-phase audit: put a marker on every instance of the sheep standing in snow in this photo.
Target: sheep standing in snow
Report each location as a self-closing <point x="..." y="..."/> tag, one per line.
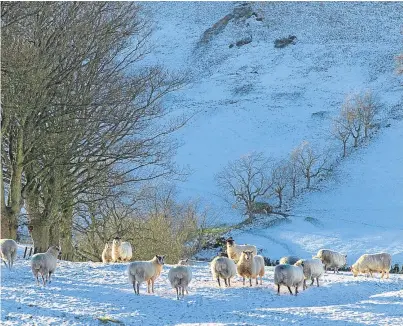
<point x="145" y="271"/>
<point x="180" y="276"/>
<point x="380" y="263"/>
<point x="45" y="264"/>
<point x="289" y="260"/>
<point x="234" y="251"/>
<point x="250" y="266"/>
<point x="107" y="253"/>
<point x="223" y="267"/>
<point x="331" y="259"/>
<point x="312" y="268"/>
<point x="8" y="251"/>
<point x="121" y="251"/>
<point x="288" y="275"/>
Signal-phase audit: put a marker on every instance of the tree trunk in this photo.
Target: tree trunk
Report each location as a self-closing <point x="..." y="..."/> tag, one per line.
<point x="40" y="234"/>
<point x="66" y="226"/>
<point x="54" y="233"/>
<point x="344" y="148"/>
<point x="10" y="212"/>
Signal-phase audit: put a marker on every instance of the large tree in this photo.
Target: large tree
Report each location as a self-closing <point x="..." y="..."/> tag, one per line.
<point x="81" y="113"/>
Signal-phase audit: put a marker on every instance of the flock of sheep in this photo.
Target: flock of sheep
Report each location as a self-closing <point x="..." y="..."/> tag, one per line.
<point x="243" y="260"/>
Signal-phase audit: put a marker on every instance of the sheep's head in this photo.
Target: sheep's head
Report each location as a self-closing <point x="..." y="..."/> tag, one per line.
<point x="354" y="270"/>
<point x="108" y="245"/>
<point x="117" y="241"/>
<point x="55" y="251"/>
<point x="160" y="259"/>
<point x="230" y="242"/>
<point x="248" y="254"/>
<point x="299" y="263"/>
<point x="223" y="254"/>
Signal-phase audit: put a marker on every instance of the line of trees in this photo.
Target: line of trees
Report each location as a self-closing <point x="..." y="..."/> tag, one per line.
<point x="81" y="115"/>
<point x="249" y="182"/>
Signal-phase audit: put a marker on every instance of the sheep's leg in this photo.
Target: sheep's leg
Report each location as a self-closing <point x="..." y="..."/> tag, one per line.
<point x="317" y="281"/>
<point x="257" y="282"/>
<point x="382" y="272"/>
<point x="225" y="281"/>
<point x="250" y="281"/>
<point x="148" y="286"/>
<point x="278" y="289"/>
<point x="37" y="278"/>
<point x="289" y="289"/>
<point x="177" y="292"/>
<point x="50" y="273"/>
<point x="229" y="281"/>
<point x="138" y="288"/>
<point x="218" y="280"/>
<point x="5" y="263"/>
<point x="43" y="279"/>
<point x="370" y="273"/>
<point x="387" y="274"/>
<point x="296" y="290"/>
<point x="244" y="281"/>
<point x="304" y="285"/>
<point x="261" y="281"/>
<point x="152" y="285"/>
<point x="134" y="287"/>
<point x="313" y="280"/>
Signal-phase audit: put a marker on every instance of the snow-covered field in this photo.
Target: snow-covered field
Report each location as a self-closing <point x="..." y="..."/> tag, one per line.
<point x="86" y="293"/>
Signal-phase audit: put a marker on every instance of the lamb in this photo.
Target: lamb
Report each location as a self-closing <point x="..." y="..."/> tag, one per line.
<point x="107" y="253"/>
<point x="312" y="268"/>
<point x="180" y="276"/>
<point x="45" y="264"/>
<point x="140" y="271"/>
<point x="223" y="267"/>
<point x="288" y="275"/>
<point x="251" y="266"/>
<point x="289" y="260"/>
<point x="331" y="259"/>
<point x="367" y="263"/>
<point x="234" y="251"/>
<point x="8" y="252"/>
<point x="121" y="251"/>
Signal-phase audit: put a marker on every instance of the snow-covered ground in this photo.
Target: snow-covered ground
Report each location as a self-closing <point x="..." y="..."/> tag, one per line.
<point x="86" y="293"/>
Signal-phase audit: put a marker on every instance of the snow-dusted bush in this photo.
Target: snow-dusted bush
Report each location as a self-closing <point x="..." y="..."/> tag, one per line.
<point x="331" y="259"/>
<point x="250" y="266"/>
<point x="8" y="251"/>
<point x="288" y="275"/>
<point x="180" y="276"/>
<point x="107" y="253"/>
<point x="234" y="251"/>
<point x="121" y="251"/>
<point x="289" y="260"/>
<point x="312" y="268"/>
<point x="45" y="264"/>
<point x="145" y="271"/>
<point x="223" y="267"/>
<point x="367" y="263"/>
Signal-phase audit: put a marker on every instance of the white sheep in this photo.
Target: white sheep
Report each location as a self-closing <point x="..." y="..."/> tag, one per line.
<point x="45" y="264"/>
<point x="107" y="253"/>
<point x="288" y="275"/>
<point x="148" y="271"/>
<point x="250" y="266"/>
<point x="121" y="251"/>
<point x="289" y="260"/>
<point x="331" y="259"/>
<point x="234" y="250"/>
<point x="312" y="268"/>
<point x="223" y="267"/>
<point x="380" y="262"/>
<point x="8" y="251"/>
<point x="180" y="276"/>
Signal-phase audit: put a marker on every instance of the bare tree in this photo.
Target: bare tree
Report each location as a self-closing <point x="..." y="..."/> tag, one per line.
<point x="310" y="163"/>
<point x="246" y="180"/>
<point x="368" y="107"/>
<point x="280" y="177"/>
<point x="351" y="115"/>
<point x="342" y="132"/>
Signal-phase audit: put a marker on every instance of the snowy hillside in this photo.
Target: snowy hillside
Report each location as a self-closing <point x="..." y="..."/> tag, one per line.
<point x="98" y="294"/>
<point x="259" y="98"/>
